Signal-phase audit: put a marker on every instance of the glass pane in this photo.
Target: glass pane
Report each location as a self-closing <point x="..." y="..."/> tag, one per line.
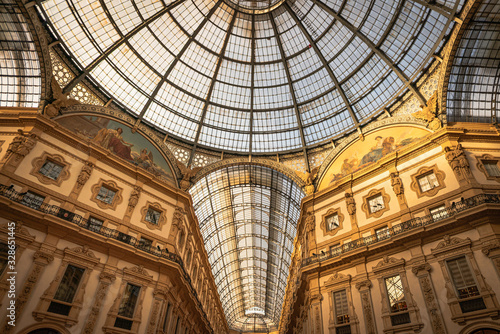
<point x="153" y="216"/>
<point x="129" y="300"/>
<point x="69" y="284"/>
<point x="395" y="292"/>
<point x="491" y="168"/>
<point x="332" y="222"/>
<point x="51" y="170"/>
<point x="376" y="203"/>
<point x="106" y="195"/>
<point x="341" y="308"/>
<point x="462" y="277"/>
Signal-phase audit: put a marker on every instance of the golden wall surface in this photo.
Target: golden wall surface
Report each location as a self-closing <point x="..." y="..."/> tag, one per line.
<point x="403" y="237"/>
<point x="176" y="285"/>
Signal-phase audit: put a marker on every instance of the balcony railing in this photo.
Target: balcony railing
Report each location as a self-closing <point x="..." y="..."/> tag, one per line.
<point x="404" y="227"/>
<point x="84" y="223"/>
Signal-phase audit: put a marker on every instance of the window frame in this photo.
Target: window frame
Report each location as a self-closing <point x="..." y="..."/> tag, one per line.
<point x="335" y="283"/>
<point x="453" y="248"/>
<point x="110" y="185"/>
<point x="422" y="172"/>
<point x="158" y="208"/>
<point x="481" y="166"/>
<point x="79" y="257"/>
<point x="136" y="276"/>
<point x="373" y="194"/>
<point x="390" y="267"/>
<point x="57" y="159"/>
<point x="329" y="213"/>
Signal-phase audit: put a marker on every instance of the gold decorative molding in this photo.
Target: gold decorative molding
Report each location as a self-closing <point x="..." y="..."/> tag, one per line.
<point x="337" y="278"/>
<point x="415" y="186"/>
<point x="365" y="207"/>
<point x="38" y="163"/>
<point x="323" y="222"/>
<point x="157" y="207"/>
<point x="117" y="199"/>
<point x="480" y="165"/>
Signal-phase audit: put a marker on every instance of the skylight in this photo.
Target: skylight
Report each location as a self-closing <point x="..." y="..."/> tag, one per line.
<point x="248" y="218"/>
<point x="252" y="76"/>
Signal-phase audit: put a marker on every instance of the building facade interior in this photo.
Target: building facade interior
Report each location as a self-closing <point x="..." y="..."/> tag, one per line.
<point x="236" y="166"/>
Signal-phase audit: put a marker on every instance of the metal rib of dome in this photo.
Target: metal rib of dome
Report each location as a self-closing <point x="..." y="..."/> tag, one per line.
<point x="248" y="219"/>
<point x="252" y="76"/>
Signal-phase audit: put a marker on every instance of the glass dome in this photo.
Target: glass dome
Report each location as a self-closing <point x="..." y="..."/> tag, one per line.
<point x="255" y="77"/>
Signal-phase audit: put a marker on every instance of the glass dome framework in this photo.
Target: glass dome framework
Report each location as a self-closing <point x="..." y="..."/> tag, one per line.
<point x="248" y="217"/>
<point x="254" y="77"/>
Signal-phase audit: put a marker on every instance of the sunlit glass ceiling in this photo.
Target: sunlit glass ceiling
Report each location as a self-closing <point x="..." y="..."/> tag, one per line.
<point x="252" y="76"/>
<point x="248" y="218"/>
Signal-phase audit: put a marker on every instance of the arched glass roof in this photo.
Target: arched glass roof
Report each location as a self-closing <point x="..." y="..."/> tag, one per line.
<point x="248" y="219"/>
<point x="252" y="76"/>
<point x="20" y="82"/>
<point x="474" y="86"/>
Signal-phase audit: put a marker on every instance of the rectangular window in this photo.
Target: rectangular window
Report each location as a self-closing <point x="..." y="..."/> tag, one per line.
<point x="462" y="277"/>
<point x="145" y="243"/>
<point x="396" y="294"/>
<point x="4" y="255"/>
<point x="427" y="182"/>
<point x="491" y="167"/>
<point x="153" y="216"/>
<point x="32" y="200"/>
<point x="69" y="284"/>
<point x="332" y="222"/>
<point x="382" y="233"/>
<point x="166" y="320"/>
<point x="106" y="195"/>
<point x="94" y="224"/>
<point x="66" y="290"/>
<point x="129" y="299"/>
<point x="341" y="307"/>
<point x="439" y="213"/>
<point x="51" y="170"/>
<point x="376" y="203"/>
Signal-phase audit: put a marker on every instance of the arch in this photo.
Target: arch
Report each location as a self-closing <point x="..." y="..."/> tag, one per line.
<point x="45" y="328"/>
<point x="25" y="20"/>
<point x="277" y="166"/>
<point x="89" y="121"/>
<point x="361" y="146"/>
<point x="468" y="11"/>
<point x="476" y="327"/>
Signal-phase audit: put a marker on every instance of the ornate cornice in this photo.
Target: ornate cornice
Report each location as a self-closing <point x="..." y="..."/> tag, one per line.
<point x="450" y="243"/>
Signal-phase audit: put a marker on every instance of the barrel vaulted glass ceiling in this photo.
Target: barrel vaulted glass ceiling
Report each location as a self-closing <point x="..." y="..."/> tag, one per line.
<point x="252" y="76"/>
<point x="248" y="218"/>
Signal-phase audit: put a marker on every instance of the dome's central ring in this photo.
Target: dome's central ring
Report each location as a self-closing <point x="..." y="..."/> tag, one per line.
<point x="254" y="6"/>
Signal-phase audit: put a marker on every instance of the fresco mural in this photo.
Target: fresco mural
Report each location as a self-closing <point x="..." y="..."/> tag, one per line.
<point x="119" y="140"/>
<point x="365" y="153"/>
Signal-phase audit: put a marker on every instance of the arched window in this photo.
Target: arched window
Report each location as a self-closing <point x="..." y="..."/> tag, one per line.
<point x="485" y="331"/>
<point x="44" y="331"/>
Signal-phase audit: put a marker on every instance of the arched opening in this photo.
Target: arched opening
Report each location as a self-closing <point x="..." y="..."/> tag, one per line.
<point x="485" y="331"/>
<point x="45" y="331"/>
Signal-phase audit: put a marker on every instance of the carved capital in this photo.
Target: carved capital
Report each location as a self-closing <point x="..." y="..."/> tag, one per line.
<point x="422" y="267"/>
<point x="363" y="284"/>
<point x="490" y="247"/>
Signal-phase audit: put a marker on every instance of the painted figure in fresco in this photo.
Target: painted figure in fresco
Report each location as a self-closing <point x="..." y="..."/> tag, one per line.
<point x="113" y="140"/>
